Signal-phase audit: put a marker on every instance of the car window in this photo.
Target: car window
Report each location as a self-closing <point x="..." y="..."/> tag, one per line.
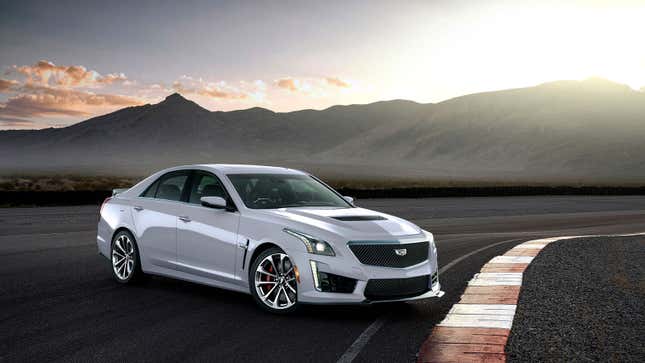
<point x="151" y="190"/>
<point x="268" y="191"/>
<point x="171" y="186"/>
<point x="205" y="185"/>
<point x="301" y="186"/>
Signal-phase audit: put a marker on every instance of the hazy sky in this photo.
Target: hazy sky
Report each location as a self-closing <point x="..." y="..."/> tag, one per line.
<point x="67" y="61"/>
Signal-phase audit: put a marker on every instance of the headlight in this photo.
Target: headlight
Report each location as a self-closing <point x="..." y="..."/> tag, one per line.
<point x="430" y="238"/>
<point x="315" y="246"/>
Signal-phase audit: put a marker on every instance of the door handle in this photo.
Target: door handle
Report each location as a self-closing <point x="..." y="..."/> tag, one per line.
<point x="138" y="208"/>
<point x="184" y="219"/>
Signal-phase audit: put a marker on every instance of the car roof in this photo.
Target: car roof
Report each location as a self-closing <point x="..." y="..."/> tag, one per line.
<point x="250" y="169"/>
<point x="221" y="168"/>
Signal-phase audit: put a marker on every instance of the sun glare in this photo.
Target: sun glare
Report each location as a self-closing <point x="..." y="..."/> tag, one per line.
<point x="502" y="49"/>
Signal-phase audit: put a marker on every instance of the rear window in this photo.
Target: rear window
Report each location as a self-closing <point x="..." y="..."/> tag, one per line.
<point x="169" y="186"/>
<point x="172" y="187"/>
<point x="152" y="189"/>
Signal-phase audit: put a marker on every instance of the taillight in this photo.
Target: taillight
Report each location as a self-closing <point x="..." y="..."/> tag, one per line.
<point x="103" y="204"/>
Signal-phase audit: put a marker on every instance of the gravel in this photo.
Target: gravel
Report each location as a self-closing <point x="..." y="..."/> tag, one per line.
<point x="582" y="300"/>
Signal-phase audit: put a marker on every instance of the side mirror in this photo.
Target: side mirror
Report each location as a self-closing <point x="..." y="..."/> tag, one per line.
<point x="349" y="200"/>
<point x="214" y="202"/>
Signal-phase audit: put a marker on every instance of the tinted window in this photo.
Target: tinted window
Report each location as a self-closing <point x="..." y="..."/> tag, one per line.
<point x="171" y="186"/>
<point x="151" y="191"/>
<point x="205" y="185"/>
<point x="268" y="191"/>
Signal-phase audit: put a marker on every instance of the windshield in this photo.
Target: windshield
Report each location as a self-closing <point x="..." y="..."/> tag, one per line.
<point x="269" y="191"/>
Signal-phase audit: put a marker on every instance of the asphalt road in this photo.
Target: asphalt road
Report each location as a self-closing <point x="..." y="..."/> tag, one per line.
<point x="58" y="301"/>
<point x="582" y="300"/>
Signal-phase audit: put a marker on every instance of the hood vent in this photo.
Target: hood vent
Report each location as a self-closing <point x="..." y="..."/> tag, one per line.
<point x="359" y="218"/>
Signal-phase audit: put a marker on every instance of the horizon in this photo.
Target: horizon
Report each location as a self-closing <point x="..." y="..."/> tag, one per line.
<point x="591" y="79"/>
<point x="187" y="98"/>
<point x="65" y="64"/>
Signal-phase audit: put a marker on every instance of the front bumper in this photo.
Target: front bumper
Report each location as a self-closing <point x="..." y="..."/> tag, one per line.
<point x="348" y="266"/>
<point x="435" y="292"/>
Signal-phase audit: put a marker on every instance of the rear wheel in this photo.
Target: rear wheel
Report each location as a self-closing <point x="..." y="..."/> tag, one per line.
<point x="272" y="280"/>
<point x="126" y="266"/>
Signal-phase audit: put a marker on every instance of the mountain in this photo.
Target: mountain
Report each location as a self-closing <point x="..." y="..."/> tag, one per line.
<point x="566" y="131"/>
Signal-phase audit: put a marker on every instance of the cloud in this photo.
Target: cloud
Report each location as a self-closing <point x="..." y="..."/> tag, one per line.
<point x="334" y="81"/>
<point x="45" y="89"/>
<point x="45" y="72"/>
<point x="38" y="101"/>
<point x="71" y="92"/>
<point x="179" y="87"/>
<point x="256" y="90"/>
<point x="311" y="85"/>
<point x="7" y="84"/>
<point x="289" y="83"/>
<point x="15" y="122"/>
<point x="219" y="90"/>
<point x="218" y="93"/>
<point x="115" y="77"/>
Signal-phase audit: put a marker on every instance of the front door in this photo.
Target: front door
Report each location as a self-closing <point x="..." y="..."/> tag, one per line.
<point x="207" y="237"/>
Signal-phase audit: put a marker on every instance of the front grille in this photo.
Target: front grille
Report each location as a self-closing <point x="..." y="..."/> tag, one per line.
<point x="388" y="289"/>
<point x="385" y="255"/>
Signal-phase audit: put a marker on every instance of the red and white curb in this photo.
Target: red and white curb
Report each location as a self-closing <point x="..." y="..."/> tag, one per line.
<point x="477" y="327"/>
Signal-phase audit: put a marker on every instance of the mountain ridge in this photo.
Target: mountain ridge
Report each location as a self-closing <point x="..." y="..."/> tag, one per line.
<point x="575" y="131"/>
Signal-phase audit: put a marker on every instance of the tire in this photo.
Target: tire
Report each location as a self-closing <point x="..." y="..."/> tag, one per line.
<point x="275" y="293"/>
<point x="124" y="259"/>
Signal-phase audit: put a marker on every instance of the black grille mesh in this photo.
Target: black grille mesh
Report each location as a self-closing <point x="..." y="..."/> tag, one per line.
<point x="384" y="254"/>
<point x="386" y="289"/>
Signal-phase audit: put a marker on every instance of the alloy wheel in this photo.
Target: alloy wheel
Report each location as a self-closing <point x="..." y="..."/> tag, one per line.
<point x="275" y="281"/>
<point x="123" y="257"/>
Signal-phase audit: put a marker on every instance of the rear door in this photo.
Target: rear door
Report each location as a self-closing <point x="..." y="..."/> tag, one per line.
<point x="155" y="215"/>
<point x="207" y="237"/>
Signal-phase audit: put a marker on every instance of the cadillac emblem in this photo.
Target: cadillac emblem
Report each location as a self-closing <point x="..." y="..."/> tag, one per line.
<point x="401" y="251"/>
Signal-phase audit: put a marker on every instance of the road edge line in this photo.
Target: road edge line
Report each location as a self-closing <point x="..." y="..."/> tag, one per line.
<point x="356" y="347"/>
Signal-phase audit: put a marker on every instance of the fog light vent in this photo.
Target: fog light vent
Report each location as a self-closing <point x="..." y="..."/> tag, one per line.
<point x="335" y="283"/>
<point x="328" y="282"/>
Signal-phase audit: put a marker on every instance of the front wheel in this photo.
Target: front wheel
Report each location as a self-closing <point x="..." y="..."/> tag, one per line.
<point x="272" y="280"/>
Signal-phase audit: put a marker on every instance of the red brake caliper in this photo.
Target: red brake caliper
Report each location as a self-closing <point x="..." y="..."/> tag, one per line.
<point x="267" y="287"/>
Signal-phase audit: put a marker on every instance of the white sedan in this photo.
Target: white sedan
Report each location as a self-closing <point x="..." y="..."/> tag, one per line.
<point x="279" y="234"/>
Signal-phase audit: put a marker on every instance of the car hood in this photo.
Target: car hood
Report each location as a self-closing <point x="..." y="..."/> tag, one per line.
<point x="349" y="223"/>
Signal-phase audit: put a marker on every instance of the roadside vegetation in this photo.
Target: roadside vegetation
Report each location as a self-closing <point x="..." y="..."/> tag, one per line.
<point x="38" y="190"/>
<point x="64" y="183"/>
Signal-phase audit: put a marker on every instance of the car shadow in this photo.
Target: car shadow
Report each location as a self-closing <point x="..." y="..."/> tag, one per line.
<point x="186" y="290"/>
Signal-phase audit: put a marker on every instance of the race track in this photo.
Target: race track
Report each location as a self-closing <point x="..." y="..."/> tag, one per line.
<point x="58" y="301"/>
